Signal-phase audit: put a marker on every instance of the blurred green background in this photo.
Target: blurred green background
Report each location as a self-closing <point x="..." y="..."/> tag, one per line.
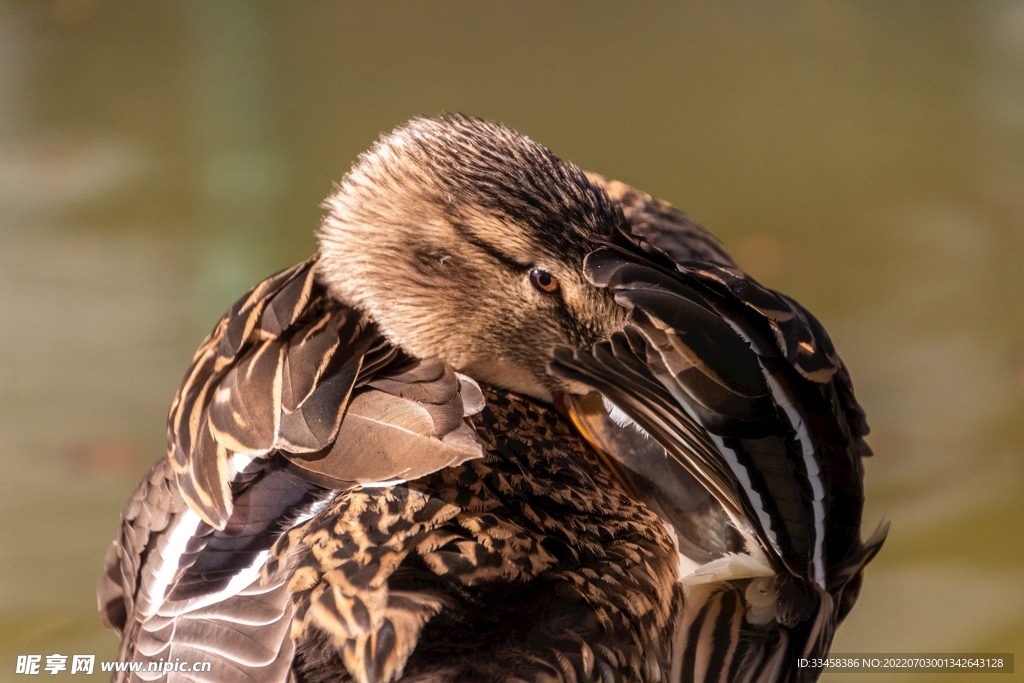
<point x="157" y="159"/>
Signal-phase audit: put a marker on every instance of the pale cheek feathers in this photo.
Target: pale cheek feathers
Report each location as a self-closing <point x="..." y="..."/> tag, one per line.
<point x="596" y="313"/>
<point x="477" y="315"/>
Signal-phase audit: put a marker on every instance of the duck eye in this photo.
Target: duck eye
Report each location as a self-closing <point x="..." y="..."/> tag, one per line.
<point x="543" y="281"/>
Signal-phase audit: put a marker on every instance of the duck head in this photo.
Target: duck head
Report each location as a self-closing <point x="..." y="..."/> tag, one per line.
<point x="464" y="240"/>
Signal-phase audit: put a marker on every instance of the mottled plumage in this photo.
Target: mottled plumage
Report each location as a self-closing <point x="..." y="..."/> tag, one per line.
<point x="390" y="462"/>
<point x="529" y="560"/>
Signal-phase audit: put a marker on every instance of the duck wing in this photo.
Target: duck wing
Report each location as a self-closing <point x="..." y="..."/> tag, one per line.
<point x="280" y="372"/>
<point x="740" y="390"/>
<point x="272" y="420"/>
<point x="663" y="226"/>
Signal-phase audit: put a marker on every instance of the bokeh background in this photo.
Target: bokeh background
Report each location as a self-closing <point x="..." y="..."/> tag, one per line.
<point x="157" y="159"/>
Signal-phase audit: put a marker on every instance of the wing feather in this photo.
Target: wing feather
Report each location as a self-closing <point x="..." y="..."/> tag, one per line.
<point x="767" y="400"/>
<point x="741" y="387"/>
<point x="404" y="426"/>
<point x="292" y="397"/>
<point x="278" y="375"/>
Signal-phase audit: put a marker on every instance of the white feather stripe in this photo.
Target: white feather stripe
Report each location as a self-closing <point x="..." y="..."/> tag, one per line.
<point x="743" y="475"/>
<point x="733" y="566"/>
<point x="240" y="580"/>
<point x="163" y="563"/>
<point x="315" y="509"/>
<point x="621" y="418"/>
<point x="381" y="484"/>
<point x="810" y="466"/>
<point x="738" y="469"/>
<point x="237" y="462"/>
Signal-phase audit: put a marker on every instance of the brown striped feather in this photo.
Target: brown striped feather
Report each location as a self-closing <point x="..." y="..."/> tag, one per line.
<point x="280" y="372"/>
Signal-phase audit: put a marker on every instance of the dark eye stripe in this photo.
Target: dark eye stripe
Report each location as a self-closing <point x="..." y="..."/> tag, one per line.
<point x="489" y="249"/>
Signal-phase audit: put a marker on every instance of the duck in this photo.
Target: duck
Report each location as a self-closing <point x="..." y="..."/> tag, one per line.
<point x="512" y="422"/>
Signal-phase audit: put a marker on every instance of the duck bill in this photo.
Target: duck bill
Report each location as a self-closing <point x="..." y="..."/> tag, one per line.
<point x="634" y="419"/>
<point x="587" y="414"/>
<point x="643" y="468"/>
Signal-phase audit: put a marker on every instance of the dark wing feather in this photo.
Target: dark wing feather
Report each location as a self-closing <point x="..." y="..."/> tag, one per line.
<point x="643" y="465"/>
<point x="744" y="389"/>
<point x="147" y="514"/>
<point x="610" y="368"/>
<point x="757" y="378"/>
<point x="813" y="399"/>
<point x="269" y="501"/>
<point x="156" y="563"/>
<point x="278" y="375"/>
<point x="271" y="420"/>
<point x="250" y="335"/>
<point x="663" y="225"/>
